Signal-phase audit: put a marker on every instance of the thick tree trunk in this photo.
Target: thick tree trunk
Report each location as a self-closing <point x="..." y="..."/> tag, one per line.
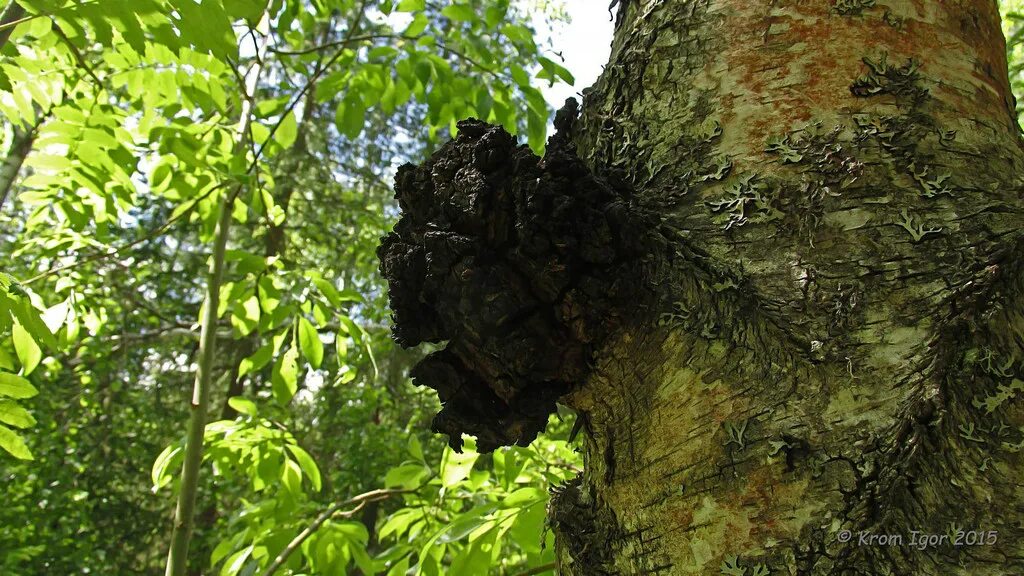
<point x="809" y="323"/>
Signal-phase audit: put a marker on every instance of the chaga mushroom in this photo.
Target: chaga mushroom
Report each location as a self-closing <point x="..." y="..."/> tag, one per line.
<point x="520" y="264"/>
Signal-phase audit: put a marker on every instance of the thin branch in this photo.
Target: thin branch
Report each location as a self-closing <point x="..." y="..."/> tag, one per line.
<point x="358" y="501"/>
<point x="444" y="47"/>
<point x="77" y="54"/>
<point x="184" y="512"/>
<point x="337" y="43"/>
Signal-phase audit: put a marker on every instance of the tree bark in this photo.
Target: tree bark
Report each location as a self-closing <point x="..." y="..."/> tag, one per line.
<point x="11" y="14"/>
<point x="21" y="145"/>
<point x="809" y="321"/>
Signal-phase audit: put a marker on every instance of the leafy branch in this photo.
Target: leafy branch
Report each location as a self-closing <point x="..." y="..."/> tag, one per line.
<point x="332" y="511"/>
<point x="125" y="247"/>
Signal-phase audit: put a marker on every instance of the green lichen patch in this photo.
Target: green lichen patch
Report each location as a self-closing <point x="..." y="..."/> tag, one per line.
<point x="917" y="231"/>
<point x="904" y="82"/>
<point x="735" y="433"/>
<point x="932" y="185"/>
<point x="701" y="164"/>
<point x="733" y="566"/>
<point x="822" y="152"/>
<point x="750" y="199"/>
<point x="852" y="7"/>
<point x="893" y="20"/>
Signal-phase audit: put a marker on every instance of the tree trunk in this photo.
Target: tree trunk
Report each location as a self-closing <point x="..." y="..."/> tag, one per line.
<point x="786" y="292"/>
<point x="21" y="145"/>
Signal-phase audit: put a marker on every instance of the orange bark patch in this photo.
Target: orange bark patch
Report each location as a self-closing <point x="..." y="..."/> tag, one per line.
<point x="787" y="63"/>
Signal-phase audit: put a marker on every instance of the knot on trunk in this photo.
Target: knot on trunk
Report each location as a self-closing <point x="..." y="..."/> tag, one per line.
<point x="520" y="264"/>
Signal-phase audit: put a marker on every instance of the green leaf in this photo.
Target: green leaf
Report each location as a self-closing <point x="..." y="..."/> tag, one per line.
<point x="54" y="316"/>
<point x="399" y="522"/>
<point x="29" y="318"/>
<point x="284" y="377"/>
<point x="307" y="464"/>
<point x="405" y="476"/>
<point x="249" y="10"/>
<point x="495" y="14"/>
<point x="350" y="116"/>
<point x="524" y="497"/>
<point x="13" y="414"/>
<point x="411" y="5"/>
<point x="528" y="528"/>
<point x="14" y="386"/>
<point x="519" y="75"/>
<point x="242" y="405"/>
<point x="329" y="291"/>
<point x="309" y="341"/>
<point x="417" y="26"/>
<point x="455" y="467"/>
<point x="381" y="53"/>
<point x="475" y="558"/>
<point x="245" y="315"/>
<point x="268" y="469"/>
<point x="291" y="476"/>
<point x="415" y="449"/>
<point x="12" y="443"/>
<point x="287" y="130"/>
<point x="466" y="524"/>
<point x="536" y="128"/>
<point x="257" y="360"/>
<point x="551" y="70"/>
<point x="233" y="565"/>
<point x="341" y="348"/>
<point x="459" y="13"/>
<point x="163" y="462"/>
<point x="519" y="34"/>
<point x="352" y="531"/>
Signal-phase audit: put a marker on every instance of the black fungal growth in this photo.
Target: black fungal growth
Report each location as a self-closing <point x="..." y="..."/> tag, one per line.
<point x="520" y="263"/>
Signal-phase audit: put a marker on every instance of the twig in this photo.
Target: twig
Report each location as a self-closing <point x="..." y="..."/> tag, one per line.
<point x="444" y="47"/>
<point x="74" y="51"/>
<point x="335" y="44"/>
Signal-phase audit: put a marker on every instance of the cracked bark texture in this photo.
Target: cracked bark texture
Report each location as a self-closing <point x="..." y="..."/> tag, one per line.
<point x="825" y="330"/>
